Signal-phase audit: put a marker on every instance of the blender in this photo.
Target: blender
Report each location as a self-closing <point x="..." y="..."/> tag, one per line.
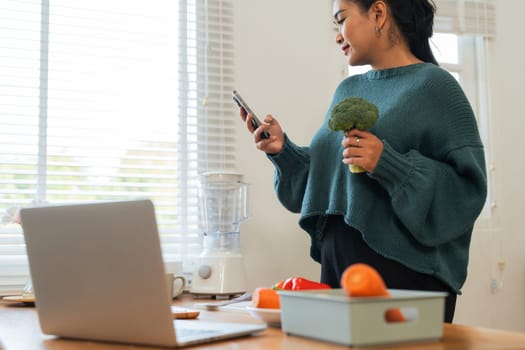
<point x="223" y="206"/>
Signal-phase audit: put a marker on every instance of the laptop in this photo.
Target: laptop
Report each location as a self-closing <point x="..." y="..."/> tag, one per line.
<point x="98" y="274"/>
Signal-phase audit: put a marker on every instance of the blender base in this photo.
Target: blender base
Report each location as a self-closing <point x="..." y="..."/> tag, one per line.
<point x="219" y="275"/>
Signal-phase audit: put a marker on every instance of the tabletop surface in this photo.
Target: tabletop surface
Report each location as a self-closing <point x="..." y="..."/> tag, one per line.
<point x="20" y="329"/>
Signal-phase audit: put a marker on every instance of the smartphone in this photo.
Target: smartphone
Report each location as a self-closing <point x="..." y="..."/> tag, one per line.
<point x="255" y="121"/>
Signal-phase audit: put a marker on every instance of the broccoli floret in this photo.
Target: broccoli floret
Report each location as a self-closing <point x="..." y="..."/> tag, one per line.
<point x="353" y="112"/>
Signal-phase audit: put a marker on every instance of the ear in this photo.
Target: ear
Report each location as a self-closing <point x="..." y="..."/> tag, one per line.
<point x="378" y="12"/>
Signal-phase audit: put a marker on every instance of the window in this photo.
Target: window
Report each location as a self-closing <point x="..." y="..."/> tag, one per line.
<point x="113" y="100"/>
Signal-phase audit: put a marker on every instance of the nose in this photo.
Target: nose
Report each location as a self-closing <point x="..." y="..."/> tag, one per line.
<point x="339" y="39"/>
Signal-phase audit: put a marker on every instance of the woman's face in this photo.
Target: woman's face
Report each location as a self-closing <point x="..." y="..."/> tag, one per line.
<point x="356" y="32"/>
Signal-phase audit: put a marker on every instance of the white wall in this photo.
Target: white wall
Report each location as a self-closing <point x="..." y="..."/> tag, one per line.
<point x="285" y="65"/>
<point x="502" y="238"/>
<point x="288" y="65"/>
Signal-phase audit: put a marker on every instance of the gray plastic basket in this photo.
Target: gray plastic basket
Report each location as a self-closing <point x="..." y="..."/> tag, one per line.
<point x="330" y="315"/>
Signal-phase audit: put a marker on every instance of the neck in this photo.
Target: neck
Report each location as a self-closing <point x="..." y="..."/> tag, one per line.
<point x="394" y="57"/>
<point x="392" y="51"/>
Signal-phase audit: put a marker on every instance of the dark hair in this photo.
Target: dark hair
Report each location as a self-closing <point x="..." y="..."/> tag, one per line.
<point x="415" y="20"/>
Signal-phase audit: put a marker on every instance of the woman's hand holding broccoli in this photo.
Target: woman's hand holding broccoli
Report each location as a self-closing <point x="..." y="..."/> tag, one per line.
<point x="354" y="116"/>
<point x="365" y="153"/>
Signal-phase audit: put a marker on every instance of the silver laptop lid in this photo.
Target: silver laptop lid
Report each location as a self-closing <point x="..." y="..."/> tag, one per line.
<point x="98" y="272"/>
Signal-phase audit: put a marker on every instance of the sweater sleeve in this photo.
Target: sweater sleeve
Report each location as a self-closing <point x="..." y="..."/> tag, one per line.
<point x="437" y="201"/>
<point x="292" y="166"/>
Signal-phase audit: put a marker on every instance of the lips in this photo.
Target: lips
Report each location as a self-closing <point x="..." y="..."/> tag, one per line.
<point x="345" y="48"/>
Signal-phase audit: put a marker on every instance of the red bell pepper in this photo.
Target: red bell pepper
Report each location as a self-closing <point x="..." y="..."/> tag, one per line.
<point x="300" y="283"/>
<point x="278" y="285"/>
<point x="284" y="284"/>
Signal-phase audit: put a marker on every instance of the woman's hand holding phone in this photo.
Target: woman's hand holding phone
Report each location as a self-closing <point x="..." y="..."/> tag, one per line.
<point x="254" y="121"/>
<point x="268" y="136"/>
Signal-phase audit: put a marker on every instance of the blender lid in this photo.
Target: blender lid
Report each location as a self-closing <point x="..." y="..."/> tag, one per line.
<point x="221" y="176"/>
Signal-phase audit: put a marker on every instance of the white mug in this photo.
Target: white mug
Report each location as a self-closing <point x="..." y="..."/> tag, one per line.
<point x="176" y="282"/>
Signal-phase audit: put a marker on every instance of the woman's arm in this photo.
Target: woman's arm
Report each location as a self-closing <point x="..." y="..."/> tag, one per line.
<point x="437" y="201"/>
<point x="292" y="166"/>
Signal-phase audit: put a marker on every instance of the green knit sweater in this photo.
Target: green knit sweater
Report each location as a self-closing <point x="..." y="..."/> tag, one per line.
<point x="419" y="205"/>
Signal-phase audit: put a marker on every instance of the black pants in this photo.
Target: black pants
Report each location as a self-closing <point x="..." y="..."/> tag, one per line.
<point x="340" y="246"/>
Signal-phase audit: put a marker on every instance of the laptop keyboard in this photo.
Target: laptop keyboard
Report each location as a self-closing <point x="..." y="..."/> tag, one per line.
<point x="184" y="332"/>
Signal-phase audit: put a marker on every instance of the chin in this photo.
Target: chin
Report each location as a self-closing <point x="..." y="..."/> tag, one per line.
<point x="356" y="63"/>
<point x="353" y="61"/>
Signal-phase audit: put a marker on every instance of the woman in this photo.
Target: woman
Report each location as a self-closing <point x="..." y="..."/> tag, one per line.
<point x="411" y="214"/>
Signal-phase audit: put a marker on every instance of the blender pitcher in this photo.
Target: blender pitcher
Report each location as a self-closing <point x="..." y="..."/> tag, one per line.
<point x="223" y="199"/>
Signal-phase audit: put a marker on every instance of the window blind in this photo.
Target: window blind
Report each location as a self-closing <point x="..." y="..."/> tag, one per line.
<point x="470" y="17"/>
<point x="113" y="100"/>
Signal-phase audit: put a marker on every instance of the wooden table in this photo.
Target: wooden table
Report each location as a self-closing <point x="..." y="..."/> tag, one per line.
<point x="20" y="330"/>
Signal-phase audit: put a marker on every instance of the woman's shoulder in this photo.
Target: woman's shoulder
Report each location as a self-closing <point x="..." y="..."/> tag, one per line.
<point x="353" y="79"/>
<point x="426" y="79"/>
<point x="422" y="72"/>
<point x="436" y="72"/>
<point x="439" y="82"/>
<point x="349" y="84"/>
<point x="419" y="71"/>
